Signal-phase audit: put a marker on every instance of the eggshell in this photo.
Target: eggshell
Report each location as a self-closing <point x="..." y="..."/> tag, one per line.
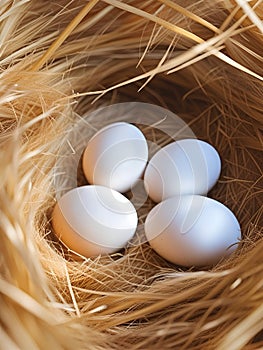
<point x="94" y="220"/>
<point x="116" y="156"/>
<point x="192" y="230"/>
<point x="188" y="166"/>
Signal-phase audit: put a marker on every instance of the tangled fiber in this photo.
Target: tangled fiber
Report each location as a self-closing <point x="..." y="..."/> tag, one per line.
<point x="58" y="61"/>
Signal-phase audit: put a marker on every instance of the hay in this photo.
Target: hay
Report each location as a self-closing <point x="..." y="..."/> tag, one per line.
<point x="203" y="61"/>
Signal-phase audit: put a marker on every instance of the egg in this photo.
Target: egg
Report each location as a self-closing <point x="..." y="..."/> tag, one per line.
<point x="192" y="230"/>
<point x="94" y="220"/>
<point x="116" y="156"/>
<point x="188" y="166"/>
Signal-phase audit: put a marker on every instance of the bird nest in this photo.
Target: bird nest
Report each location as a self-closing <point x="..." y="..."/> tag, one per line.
<point x="61" y="62"/>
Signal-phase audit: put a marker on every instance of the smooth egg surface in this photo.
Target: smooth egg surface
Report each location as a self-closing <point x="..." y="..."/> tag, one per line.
<point x="116" y="156"/>
<point x="94" y="220"/>
<point x="188" y="166"/>
<point x="192" y="230"/>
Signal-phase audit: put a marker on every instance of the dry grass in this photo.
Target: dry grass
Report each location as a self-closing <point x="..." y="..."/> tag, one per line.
<point x="202" y="60"/>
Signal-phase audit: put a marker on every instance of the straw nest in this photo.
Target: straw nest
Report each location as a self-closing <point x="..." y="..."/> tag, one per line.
<point x="61" y="59"/>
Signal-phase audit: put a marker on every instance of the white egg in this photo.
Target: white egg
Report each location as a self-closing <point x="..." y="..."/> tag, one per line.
<point x="187" y="166"/>
<point x="94" y="220"/>
<point x="116" y="156"/>
<point x="192" y="230"/>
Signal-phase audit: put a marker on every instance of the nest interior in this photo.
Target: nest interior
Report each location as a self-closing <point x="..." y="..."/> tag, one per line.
<point x="201" y="60"/>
